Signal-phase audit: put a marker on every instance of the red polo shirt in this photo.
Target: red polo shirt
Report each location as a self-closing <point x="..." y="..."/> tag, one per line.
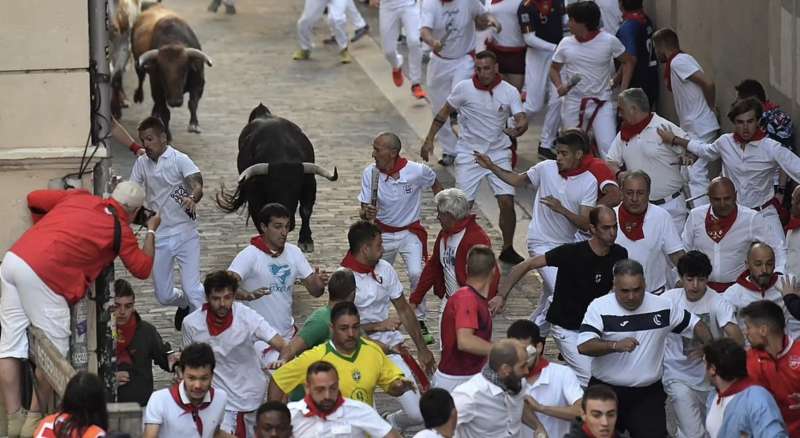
<point x="781" y="376"/>
<point x="465" y="309"/>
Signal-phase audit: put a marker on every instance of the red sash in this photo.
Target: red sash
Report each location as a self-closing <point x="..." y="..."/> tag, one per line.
<point x="190" y="408"/>
<point x="582" y="112"/>
<point x="414" y="228"/>
<point x="416" y="370"/>
<point x="215" y="325"/>
<point x="717" y="227"/>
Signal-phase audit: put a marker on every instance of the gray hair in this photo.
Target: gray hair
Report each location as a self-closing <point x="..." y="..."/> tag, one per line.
<point x="390" y="139"/>
<point x="637" y="174"/>
<point x="636" y="97"/>
<point x="628" y="267"/>
<point x="452" y="201"/>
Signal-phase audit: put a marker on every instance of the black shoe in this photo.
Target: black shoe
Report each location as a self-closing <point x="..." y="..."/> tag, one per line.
<point x="214" y="5"/>
<point x="546" y="153"/>
<point x="230" y="10"/>
<point x="180" y="314"/>
<point x="426" y="335"/>
<point x="359" y="33"/>
<point x="510" y="256"/>
<point x="447" y="160"/>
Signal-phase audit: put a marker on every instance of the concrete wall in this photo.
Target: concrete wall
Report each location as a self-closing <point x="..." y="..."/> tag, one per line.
<point x="735" y="40"/>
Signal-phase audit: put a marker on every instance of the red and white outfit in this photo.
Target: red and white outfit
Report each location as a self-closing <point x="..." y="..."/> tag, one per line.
<point x="350" y="419"/>
<point x="483" y="112"/>
<point x="469" y="310"/>
<point x="486" y="410"/>
<point x="650" y="238"/>
<point x="557" y="385"/>
<point x="453" y="23"/>
<point x="508" y="45"/>
<point x="399" y="204"/>
<point x="54" y="263"/>
<point x="172" y="410"/>
<point x="238" y="370"/>
<point x="639" y="147"/>
<point x="574" y="189"/>
<point x="587" y="105"/>
<point x="337" y="20"/>
<point x="260" y="267"/>
<point x="745" y="291"/>
<point x="781" y="376"/>
<point x="726" y="241"/>
<point x="392" y="15"/>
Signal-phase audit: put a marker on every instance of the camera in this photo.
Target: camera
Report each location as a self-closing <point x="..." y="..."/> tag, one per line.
<point x="143" y="216"/>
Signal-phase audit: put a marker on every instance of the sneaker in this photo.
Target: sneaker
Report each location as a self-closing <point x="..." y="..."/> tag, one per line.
<point x="214" y="5"/>
<point x="301" y="55"/>
<point x="510" y="256"/>
<point x="397" y="77"/>
<point x="418" y="92"/>
<point x="344" y="56"/>
<point x="447" y="160"/>
<point x="31" y="423"/>
<point x="426" y="335"/>
<point x="230" y="9"/>
<point x="546" y="153"/>
<point x="359" y="33"/>
<point x="180" y="314"/>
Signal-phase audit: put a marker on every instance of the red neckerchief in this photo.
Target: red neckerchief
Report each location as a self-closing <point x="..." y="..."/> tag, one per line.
<point x="215" y="326"/>
<point x="125" y="334"/>
<point x="399" y="164"/>
<point x="495" y="82"/>
<point x="190" y="408"/>
<point x="667" y="70"/>
<point x="627" y="132"/>
<point x="769" y="105"/>
<point x="349" y="261"/>
<point x="737" y="387"/>
<point x="756" y="137"/>
<point x="794" y="223"/>
<point x="541" y="364"/>
<point x="258" y="242"/>
<point x="717" y="227"/>
<point x="583" y="166"/>
<point x="748" y="284"/>
<point x="632" y="225"/>
<point x="638" y="15"/>
<point x="313" y="410"/>
<point x="588" y="37"/>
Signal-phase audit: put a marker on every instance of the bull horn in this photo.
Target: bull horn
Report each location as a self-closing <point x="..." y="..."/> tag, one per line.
<point x="255" y="169"/>
<point x="195" y="53"/>
<point x="147" y="57"/>
<point x="319" y="170"/>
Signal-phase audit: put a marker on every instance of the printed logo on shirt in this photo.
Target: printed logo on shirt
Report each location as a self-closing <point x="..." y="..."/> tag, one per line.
<point x="657" y="320"/>
<point x="450" y="256"/>
<point x="359" y="394"/>
<point x="408" y="189"/>
<point x="280" y="273"/>
<point x="634" y="323"/>
<point x="794" y="362"/>
<point x="178" y="196"/>
<point x="598" y="277"/>
<point x="357" y="375"/>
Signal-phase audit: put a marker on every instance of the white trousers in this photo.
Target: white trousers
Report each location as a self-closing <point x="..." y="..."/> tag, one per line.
<point x="353" y="16"/>
<point x="443" y="75"/>
<point x="773" y="226"/>
<point x="229" y="423"/>
<point x="548" y="274"/>
<point x="697" y="173"/>
<point x="409" y="247"/>
<point x="567" y="343"/>
<point x="409" y="401"/>
<point x="390" y="20"/>
<point x="540" y="92"/>
<point x="312" y="12"/>
<point x="446" y="381"/>
<point x="184" y="249"/>
<point x="604" y="125"/>
<point x="689" y="406"/>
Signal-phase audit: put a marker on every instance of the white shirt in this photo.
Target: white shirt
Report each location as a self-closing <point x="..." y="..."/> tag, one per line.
<point x="238" y="370"/>
<point x="557" y="385"/>
<point x="716" y="414"/>
<point x="690" y="103"/>
<point x="447" y="257"/>
<point x="374" y="298"/>
<point x="163" y="181"/>
<point x="483" y="115"/>
<point x="751" y="169"/>
<point x="660" y="240"/>
<point x="646" y="151"/>
<point x="399" y="199"/>
<point x="428" y="433"/>
<point x="258" y="270"/>
<point x="392" y="5"/>
<point x="610" y="15"/>
<point x="353" y="419"/>
<point x="739" y="297"/>
<point x="728" y="256"/>
<point x="456" y="17"/>
<point x="592" y="61"/>
<point x="650" y="324"/>
<point x="792" y="252"/>
<point x="505" y="11"/>
<point x="548" y="227"/>
<point x="485" y="410"/>
<point x="677" y="365"/>
<point x="174" y="421"/>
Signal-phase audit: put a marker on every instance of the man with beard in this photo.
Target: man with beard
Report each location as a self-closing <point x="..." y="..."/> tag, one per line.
<point x="324" y="412"/>
<point x="232" y="329"/>
<point x="625" y="333"/>
<point x="759" y="282"/>
<point x="266" y="270"/>
<point x="397" y="207"/>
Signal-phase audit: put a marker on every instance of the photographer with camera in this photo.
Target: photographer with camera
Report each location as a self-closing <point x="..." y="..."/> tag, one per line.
<point x="75" y="236"/>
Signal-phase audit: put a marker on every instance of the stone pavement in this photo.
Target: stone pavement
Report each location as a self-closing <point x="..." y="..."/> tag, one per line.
<point x="338" y="106"/>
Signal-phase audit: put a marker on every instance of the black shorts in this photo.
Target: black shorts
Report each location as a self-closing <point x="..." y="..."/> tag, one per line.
<point x="510" y="63"/>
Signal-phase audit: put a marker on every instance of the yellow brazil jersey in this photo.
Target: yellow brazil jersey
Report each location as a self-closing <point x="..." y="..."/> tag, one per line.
<point x="359" y="373"/>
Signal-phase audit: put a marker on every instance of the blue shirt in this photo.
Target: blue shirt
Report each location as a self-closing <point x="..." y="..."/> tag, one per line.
<point x="638" y="42"/>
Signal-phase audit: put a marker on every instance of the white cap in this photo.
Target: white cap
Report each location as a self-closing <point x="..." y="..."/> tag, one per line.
<point x="129" y="194"/>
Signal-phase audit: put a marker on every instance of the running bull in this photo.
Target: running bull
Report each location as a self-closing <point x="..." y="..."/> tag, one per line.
<point x="165" y="47"/>
<point x="276" y="164"/>
<point x="122" y="14"/>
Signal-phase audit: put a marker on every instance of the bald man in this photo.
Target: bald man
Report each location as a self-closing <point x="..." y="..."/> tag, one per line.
<point x="724" y="230"/>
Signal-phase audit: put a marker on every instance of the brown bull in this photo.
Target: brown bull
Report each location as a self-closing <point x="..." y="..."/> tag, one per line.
<point x="122" y="15"/>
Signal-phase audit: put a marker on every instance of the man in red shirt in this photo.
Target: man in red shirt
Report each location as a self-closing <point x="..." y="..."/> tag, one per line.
<point x="773" y="360"/>
<point x="466" y="327"/>
<point x="53" y="264"/>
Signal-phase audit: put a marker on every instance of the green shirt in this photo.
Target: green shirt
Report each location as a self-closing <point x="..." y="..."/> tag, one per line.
<point x="317" y="328"/>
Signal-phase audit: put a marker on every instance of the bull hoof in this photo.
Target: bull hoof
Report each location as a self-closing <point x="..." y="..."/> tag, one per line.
<point x="306" y="246"/>
<point x="194" y="127"/>
<point x="138" y="96"/>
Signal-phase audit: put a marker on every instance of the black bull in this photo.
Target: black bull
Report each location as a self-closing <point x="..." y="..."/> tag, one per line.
<point x="276" y="164"/>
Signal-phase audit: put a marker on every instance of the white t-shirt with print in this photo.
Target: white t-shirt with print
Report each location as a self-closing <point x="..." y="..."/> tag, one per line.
<point x="454" y="20"/>
<point x="399" y="200"/>
<point x="592" y="61"/>
<point x="557" y="385"/>
<point x="374" y="297"/>
<point x="447" y="256"/>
